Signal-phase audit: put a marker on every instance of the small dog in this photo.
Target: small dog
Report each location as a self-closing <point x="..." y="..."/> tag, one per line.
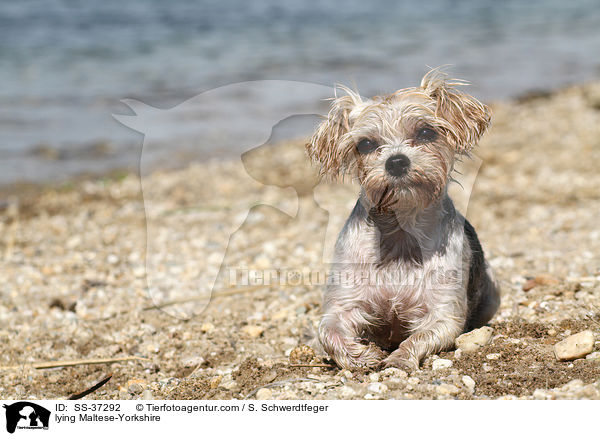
<point x="409" y="274"/>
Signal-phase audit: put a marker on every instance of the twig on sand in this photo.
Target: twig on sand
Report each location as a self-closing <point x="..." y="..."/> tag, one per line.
<point x="90" y="390"/>
<point x="217" y="294"/>
<point x="280" y="383"/>
<point x="59" y="363"/>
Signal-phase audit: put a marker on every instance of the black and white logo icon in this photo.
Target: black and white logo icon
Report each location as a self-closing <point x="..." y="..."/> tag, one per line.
<point x="26" y="415"/>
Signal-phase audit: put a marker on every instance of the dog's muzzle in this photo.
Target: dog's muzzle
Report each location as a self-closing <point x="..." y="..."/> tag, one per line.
<point x="397" y="165"/>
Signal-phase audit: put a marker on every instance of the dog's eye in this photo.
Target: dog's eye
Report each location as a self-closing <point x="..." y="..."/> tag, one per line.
<point x="426" y="134"/>
<point x="366" y="146"/>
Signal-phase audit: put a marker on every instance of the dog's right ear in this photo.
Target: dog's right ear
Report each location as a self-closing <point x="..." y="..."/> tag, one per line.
<point x="324" y="147"/>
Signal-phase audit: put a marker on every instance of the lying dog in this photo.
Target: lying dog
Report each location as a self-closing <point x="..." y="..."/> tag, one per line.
<point x="408" y="274"/>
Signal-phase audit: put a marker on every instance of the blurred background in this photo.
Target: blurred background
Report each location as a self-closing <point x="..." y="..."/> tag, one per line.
<point x="66" y="64"/>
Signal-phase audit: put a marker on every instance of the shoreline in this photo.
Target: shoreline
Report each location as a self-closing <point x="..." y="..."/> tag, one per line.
<point x="48" y="154"/>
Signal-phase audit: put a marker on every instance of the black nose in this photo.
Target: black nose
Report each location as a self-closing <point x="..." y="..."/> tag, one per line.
<point x="397" y="165"/>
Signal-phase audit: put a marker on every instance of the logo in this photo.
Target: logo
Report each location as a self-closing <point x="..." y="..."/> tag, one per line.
<point x="26" y="415"/>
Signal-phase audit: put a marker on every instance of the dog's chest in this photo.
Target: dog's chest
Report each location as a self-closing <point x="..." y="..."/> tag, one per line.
<point x="398" y="290"/>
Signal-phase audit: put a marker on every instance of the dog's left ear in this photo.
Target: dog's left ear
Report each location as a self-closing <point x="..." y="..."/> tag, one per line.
<point x="466" y="119"/>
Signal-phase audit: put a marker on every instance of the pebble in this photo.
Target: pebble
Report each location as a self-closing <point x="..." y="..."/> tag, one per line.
<point x="469" y="383"/>
<point x="147" y="395"/>
<point x="374" y="377"/>
<point x="593" y="356"/>
<point x="254" y="331"/>
<point x="377" y="388"/>
<point x="264" y="394"/>
<point x="346" y="373"/>
<point x="441" y="364"/>
<point x="394" y="372"/>
<point x="575" y="346"/>
<point x="302" y="354"/>
<point x="229" y="385"/>
<point x="493" y="356"/>
<point x="447" y="389"/>
<point x="207" y="327"/>
<point x="541" y="394"/>
<point x="475" y="339"/>
<point x="347" y="392"/>
<point x="215" y="381"/>
<point x="135" y="388"/>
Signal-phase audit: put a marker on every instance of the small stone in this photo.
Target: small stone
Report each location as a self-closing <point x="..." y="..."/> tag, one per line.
<point x="254" y="331"/>
<point x="346" y="373"/>
<point x="394" y="372"/>
<point x="546" y="280"/>
<point x="207" y="327"/>
<point x="270" y="376"/>
<point x="264" y="394"/>
<point x="441" y="364"/>
<point x="413" y="380"/>
<point x="147" y="395"/>
<point x="347" y="392"/>
<point x="475" y="339"/>
<point x="493" y="356"/>
<point x="374" y="377"/>
<point x="282" y="314"/>
<point x="593" y="356"/>
<point x="552" y="332"/>
<point x="215" y="381"/>
<point x="135" y="387"/>
<point x="229" y="384"/>
<point x="447" y="389"/>
<point x="529" y="285"/>
<point x="302" y="354"/>
<point x="469" y="383"/>
<point x="573" y="385"/>
<point x="541" y="394"/>
<point x="377" y="388"/>
<point x="575" y="346"/>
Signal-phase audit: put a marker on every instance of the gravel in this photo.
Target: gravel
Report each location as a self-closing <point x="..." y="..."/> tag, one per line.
<point x="79" y="258"/>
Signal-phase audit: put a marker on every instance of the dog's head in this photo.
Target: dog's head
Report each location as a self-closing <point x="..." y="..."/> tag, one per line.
<point x="401" y="147"/>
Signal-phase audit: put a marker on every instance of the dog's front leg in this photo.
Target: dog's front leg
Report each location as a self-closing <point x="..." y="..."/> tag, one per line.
<point x="340" y="334"/>
<point x="436" y="337"/>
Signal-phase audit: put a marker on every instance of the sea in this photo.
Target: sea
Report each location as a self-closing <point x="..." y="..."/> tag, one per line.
<point x="70" y="68"/>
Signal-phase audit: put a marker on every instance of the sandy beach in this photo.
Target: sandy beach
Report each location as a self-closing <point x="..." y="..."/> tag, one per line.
<point x="74" y="282"/>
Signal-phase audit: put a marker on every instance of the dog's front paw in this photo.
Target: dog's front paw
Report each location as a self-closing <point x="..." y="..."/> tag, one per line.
<point x="360" y="356"/>
<point x="400" y="360"/>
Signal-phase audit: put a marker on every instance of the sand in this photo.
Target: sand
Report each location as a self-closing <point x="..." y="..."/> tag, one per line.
<point x="74" y="282"/>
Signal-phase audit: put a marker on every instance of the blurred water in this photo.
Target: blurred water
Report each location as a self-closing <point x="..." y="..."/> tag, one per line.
<point x="65" y="64"/>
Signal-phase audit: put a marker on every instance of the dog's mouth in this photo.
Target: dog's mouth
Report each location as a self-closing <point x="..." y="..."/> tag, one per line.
<point x="403" y="193"/>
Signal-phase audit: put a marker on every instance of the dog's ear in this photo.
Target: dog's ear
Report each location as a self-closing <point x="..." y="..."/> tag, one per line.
<point x="466" y="119"/>
<point x="324" y="147"/>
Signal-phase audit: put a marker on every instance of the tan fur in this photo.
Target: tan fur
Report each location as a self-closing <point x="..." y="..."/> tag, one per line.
<point x="425" y="283"/>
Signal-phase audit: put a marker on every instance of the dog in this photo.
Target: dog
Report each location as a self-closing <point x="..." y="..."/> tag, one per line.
<point x="408" y="274"/>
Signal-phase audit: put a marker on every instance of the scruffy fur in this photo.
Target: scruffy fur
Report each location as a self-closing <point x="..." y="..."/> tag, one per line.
<point x="408" y="273"/>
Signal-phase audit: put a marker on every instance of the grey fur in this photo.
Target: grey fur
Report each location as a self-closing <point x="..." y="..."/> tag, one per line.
<point x="409" y="289"/>
<point x="408" y="274"/>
